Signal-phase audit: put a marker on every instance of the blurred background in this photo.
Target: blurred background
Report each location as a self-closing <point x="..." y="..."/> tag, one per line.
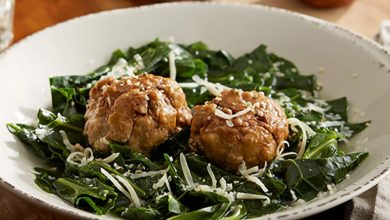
<point x="361" y="16"/>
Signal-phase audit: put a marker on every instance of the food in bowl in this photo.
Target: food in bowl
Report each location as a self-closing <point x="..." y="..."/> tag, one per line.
<point x="239" y="127"/>
<point x="260" y="140"/>
<point x="142" y="111"/>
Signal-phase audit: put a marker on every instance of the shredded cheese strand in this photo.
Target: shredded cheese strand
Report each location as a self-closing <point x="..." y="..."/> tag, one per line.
<point x="287" y="154"/>
<point x="130" y="189"/>
<point x="186" y="170"/>
<point x="70" y="158"/>
<point x="306" y="131"/>
<point x="88" y="156"/>
<point x="119" y="69"/>
<point x="244" y="172"/>
<point x="172" y="66"/>
<point x="262" y="170"/>
<point x="313" y="107"/>
<point x="253" y="196"/>
<point x="331" y="124"/>
<point x="116" y="183"/>
<point x="66" y="142"/>
<point x="222" y="182"/>
<point x="223" y="115"/>
<point x="212" y="176"/>
<point x="166" y="181"/>
<point x="188" y="85"/>
<point x="160" y="183"/>
<point x="279" y="151"/>
<point x="296" y="122"/>
<point x="110" y="158"/>
<point x="140" y="65"/>
<point x="219" y="191"/>
<point x="250" y="171"/>
<point x="148" y="174"/>
<point x="242" y="167"/>
<point x="167" y="184"/>
<point x="83" y="157"/>
<point x="257" y="181"/>
<point x="214" y="89"/>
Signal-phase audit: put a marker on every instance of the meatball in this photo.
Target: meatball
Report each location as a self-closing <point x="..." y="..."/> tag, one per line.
<point x="142" y="111"/>
<point x="257" y="126"/>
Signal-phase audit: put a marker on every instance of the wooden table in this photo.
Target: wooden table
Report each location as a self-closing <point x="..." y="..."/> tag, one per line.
<point x="363" y="17"/>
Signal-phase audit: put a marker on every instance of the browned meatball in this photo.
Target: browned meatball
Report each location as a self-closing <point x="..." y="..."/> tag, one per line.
<point x="251" y="137"/>
<point x="142" y="111"/>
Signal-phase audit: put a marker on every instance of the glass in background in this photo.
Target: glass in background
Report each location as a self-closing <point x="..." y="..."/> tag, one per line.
<point x="6" y="22"/>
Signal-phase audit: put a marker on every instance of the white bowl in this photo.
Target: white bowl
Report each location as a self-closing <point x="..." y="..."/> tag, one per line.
<point x="354" y="67"/>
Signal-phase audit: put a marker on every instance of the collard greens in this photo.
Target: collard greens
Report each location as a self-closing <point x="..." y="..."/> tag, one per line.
<point x="323" y="163"/>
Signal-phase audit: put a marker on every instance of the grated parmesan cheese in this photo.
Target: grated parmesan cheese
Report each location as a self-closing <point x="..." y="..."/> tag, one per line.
<point x="246" y="174"/>
<point x="70" y="159"/>
<point x="80" y="158"/>
<point x="327" y="124"/>
<point x="229" y="187"/>
<point x="223" y="115"/>
<point x="214" y="88"/>
<point x="253" y="196"/>
<point x="219" y="191"/>
<point x="229" y="123"/>
<point x="279" y="151"/>
<point x="117" y="167"/>
<point x="88" y="156"/>
<point x="333" y="116"/>
<point x="119" y="69"/>
<point x="148" y="174"/>
<point x="257" y="181"/>
<point x="293" y="195"/>
<point x="188" y="85"/>
<point x="222" y="183"/>
<point x="306" y="131"/>
<point x="160" y="183"/>
<point x="212" y="176"/>
<point x="172" y="66"/>
<point x="140" y="65"/>
<point x="312" y="107"/>
<point x="262" y="170"/>
<point x="110" y="158"/>
<point x="130" y="189"/>
<point x="166" y="180"/>
<point x="249" y="171"/>
<point x="66" y="142"/>
<point x="186" y="170"/>
<point x="116" y="183"/>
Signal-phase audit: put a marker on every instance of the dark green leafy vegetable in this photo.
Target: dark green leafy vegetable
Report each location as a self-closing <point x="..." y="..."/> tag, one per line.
<point x="88" y="194"/>
<point x="169" y="205"/>
<point x="215" y="60"/>
<point x="27" y="135"/>
<point x="339" y="106"/>
<point x="358" y="127"/>
<point x="160" y="181"/>
<point x="142" y="213"/>
<point x="308" y="177"/>
<point x="322" y="145"/>
<point x="132" y="157"/>
<point x="255" y="208"/>
<point x="45" y="178"/>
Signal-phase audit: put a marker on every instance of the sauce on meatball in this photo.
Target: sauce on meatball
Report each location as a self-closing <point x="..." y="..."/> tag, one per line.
<point x="238" y="127"/>
<point x="142" y="111"/>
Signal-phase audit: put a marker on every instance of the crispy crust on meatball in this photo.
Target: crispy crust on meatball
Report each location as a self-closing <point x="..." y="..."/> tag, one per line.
<point x="252" y="137"/>
<point x="142" y="111"/>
